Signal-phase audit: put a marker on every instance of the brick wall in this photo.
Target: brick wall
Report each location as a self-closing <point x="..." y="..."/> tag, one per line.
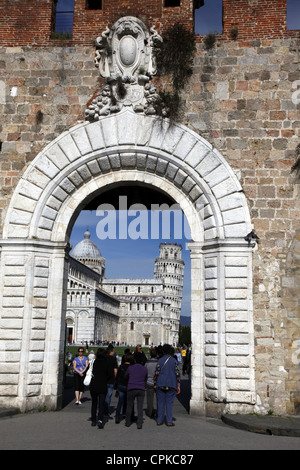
<point x="28" y="22"/>
<point x="255" y="18"/>
<point x="240" y="98"/>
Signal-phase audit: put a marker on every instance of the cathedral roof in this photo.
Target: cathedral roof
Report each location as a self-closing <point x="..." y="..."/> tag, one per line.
<point x="132" y="281"/>
<point x="86" y="249"/>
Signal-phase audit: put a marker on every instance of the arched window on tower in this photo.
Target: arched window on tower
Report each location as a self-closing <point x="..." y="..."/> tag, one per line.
<point x="132" y="325"/>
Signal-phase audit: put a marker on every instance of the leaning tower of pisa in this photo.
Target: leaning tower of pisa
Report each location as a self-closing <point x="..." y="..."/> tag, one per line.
<point x="169" y="266"/>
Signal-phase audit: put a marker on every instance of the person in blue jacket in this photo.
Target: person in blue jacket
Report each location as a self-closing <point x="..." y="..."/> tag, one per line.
<point x="167" y="385"/>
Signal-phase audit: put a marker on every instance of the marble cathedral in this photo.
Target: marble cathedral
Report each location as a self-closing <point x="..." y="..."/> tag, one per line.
<point x="128" y="311"/>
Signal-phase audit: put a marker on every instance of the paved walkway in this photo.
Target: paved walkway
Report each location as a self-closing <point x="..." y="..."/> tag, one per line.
<point x="70" y="429"/>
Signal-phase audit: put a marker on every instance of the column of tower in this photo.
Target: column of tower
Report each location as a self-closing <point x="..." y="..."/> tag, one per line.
<point x="169" y="266"/>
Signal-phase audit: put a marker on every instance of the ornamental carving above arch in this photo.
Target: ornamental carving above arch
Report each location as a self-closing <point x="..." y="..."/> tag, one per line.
<point x="125" y="56"/>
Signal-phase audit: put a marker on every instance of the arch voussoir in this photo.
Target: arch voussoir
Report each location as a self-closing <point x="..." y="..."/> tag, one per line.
<point x="127" y="141"/>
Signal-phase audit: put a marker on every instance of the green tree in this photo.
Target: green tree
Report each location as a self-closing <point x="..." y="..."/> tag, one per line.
<point x="185" y="335"/>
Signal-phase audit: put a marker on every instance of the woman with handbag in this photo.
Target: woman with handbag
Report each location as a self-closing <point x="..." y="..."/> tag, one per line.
<point x="167" y="385"/>
<point x="80" y="365"/>
<point x="98" y="387"/>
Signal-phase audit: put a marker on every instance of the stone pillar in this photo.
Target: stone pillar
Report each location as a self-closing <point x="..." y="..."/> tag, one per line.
<point x="229" y="338"/>
<point x="32" y="325"/>
<point x="222" y="328"/>
<point x="197" y="403"/>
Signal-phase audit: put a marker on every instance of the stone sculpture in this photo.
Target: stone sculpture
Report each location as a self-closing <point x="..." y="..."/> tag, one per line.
<point x="125" y="56"/>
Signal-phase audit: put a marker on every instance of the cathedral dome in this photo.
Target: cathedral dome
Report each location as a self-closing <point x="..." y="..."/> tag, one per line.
<point x="86" y="248"/>
<point x="88" y="253"/>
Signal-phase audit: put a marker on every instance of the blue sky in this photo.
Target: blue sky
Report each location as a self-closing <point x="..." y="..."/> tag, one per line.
<point x="65" y="5"/>
<point x="208" y="19"/>
<point x="64" y="21"/>
<point x="293" y="14"/>
<point x="129" y="258"/>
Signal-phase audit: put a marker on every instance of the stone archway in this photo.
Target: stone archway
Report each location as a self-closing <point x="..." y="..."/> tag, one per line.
<point x="65" y="176"/>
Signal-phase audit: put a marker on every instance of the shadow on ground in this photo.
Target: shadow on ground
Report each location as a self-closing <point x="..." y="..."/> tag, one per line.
<point x="69" y="391"/>
<point x="185" y="393"/>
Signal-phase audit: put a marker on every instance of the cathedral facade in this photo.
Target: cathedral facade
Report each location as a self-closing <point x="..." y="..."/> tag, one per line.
<point x="128" y="311"/>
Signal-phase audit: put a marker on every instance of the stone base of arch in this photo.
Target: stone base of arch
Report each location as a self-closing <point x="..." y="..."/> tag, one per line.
<point x="34" y="252"/>
<point x="222" y="330"/>
<point x="32" y="342"/>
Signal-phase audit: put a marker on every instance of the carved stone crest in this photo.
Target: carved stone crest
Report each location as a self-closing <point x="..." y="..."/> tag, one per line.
<point x="125" y="56"/>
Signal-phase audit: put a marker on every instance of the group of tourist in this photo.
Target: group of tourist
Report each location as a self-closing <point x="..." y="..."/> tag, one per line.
<point x="157" y="378"/>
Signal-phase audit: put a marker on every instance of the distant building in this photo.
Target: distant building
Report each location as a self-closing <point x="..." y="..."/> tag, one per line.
<point x="129" y="311"/>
